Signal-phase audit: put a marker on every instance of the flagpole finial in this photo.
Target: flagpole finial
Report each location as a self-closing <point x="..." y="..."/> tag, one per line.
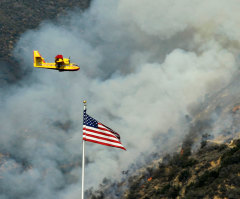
<point x="85" y="105"/>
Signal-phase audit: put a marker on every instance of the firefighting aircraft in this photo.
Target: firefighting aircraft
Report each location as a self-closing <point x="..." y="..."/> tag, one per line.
<point x="61" y="64"/>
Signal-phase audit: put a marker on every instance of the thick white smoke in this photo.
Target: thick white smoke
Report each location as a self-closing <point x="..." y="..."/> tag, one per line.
<point x="142" y="65"/>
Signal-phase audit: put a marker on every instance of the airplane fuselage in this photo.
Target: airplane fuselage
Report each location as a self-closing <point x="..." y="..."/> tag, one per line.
<point x="63" y="65"/>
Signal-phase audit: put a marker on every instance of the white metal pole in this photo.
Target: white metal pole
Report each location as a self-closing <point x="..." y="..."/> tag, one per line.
<point x="83" y="157"/>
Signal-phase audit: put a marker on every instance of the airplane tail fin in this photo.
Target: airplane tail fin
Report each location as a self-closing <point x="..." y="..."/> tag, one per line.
<point x="37" y="59"/>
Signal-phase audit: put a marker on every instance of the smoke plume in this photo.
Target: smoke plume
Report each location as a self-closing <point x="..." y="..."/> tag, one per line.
<point x="143" y="64"/>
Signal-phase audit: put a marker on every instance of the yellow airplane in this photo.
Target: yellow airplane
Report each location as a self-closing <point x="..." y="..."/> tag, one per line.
<point x="60" y="64"/>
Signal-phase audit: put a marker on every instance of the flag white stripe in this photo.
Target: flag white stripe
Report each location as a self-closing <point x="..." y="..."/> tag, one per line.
<point x="104" y="141"/>
<point x="105" y="137"/>
<point x="99" y="130"/>
<point x="102" y="126"/>
<point x="99" y="135"/>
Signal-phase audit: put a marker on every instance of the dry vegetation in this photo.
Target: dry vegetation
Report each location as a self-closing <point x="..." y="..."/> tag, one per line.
<point x="212" y="172"/>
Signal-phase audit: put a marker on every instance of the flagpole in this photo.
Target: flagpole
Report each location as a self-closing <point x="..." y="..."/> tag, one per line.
<point x="83" y="156"/>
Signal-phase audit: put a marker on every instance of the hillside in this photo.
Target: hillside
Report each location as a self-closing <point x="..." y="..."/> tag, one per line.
<point x="211" y="172"/>
<point x="18" y="16"/>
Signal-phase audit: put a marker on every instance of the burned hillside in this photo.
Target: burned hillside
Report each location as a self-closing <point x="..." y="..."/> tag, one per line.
<point x="211" y="172"/>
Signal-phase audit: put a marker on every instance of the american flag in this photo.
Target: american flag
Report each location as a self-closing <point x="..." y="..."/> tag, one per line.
<point x="94" y="131"/>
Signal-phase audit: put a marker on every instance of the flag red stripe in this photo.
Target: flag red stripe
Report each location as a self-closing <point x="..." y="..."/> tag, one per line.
<point x="86" y="133"/>
<point x="101" y="138"/>
<point x="102" y="143"/>
<point x="96" y="131"/>
<point x="104" y="129"/>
